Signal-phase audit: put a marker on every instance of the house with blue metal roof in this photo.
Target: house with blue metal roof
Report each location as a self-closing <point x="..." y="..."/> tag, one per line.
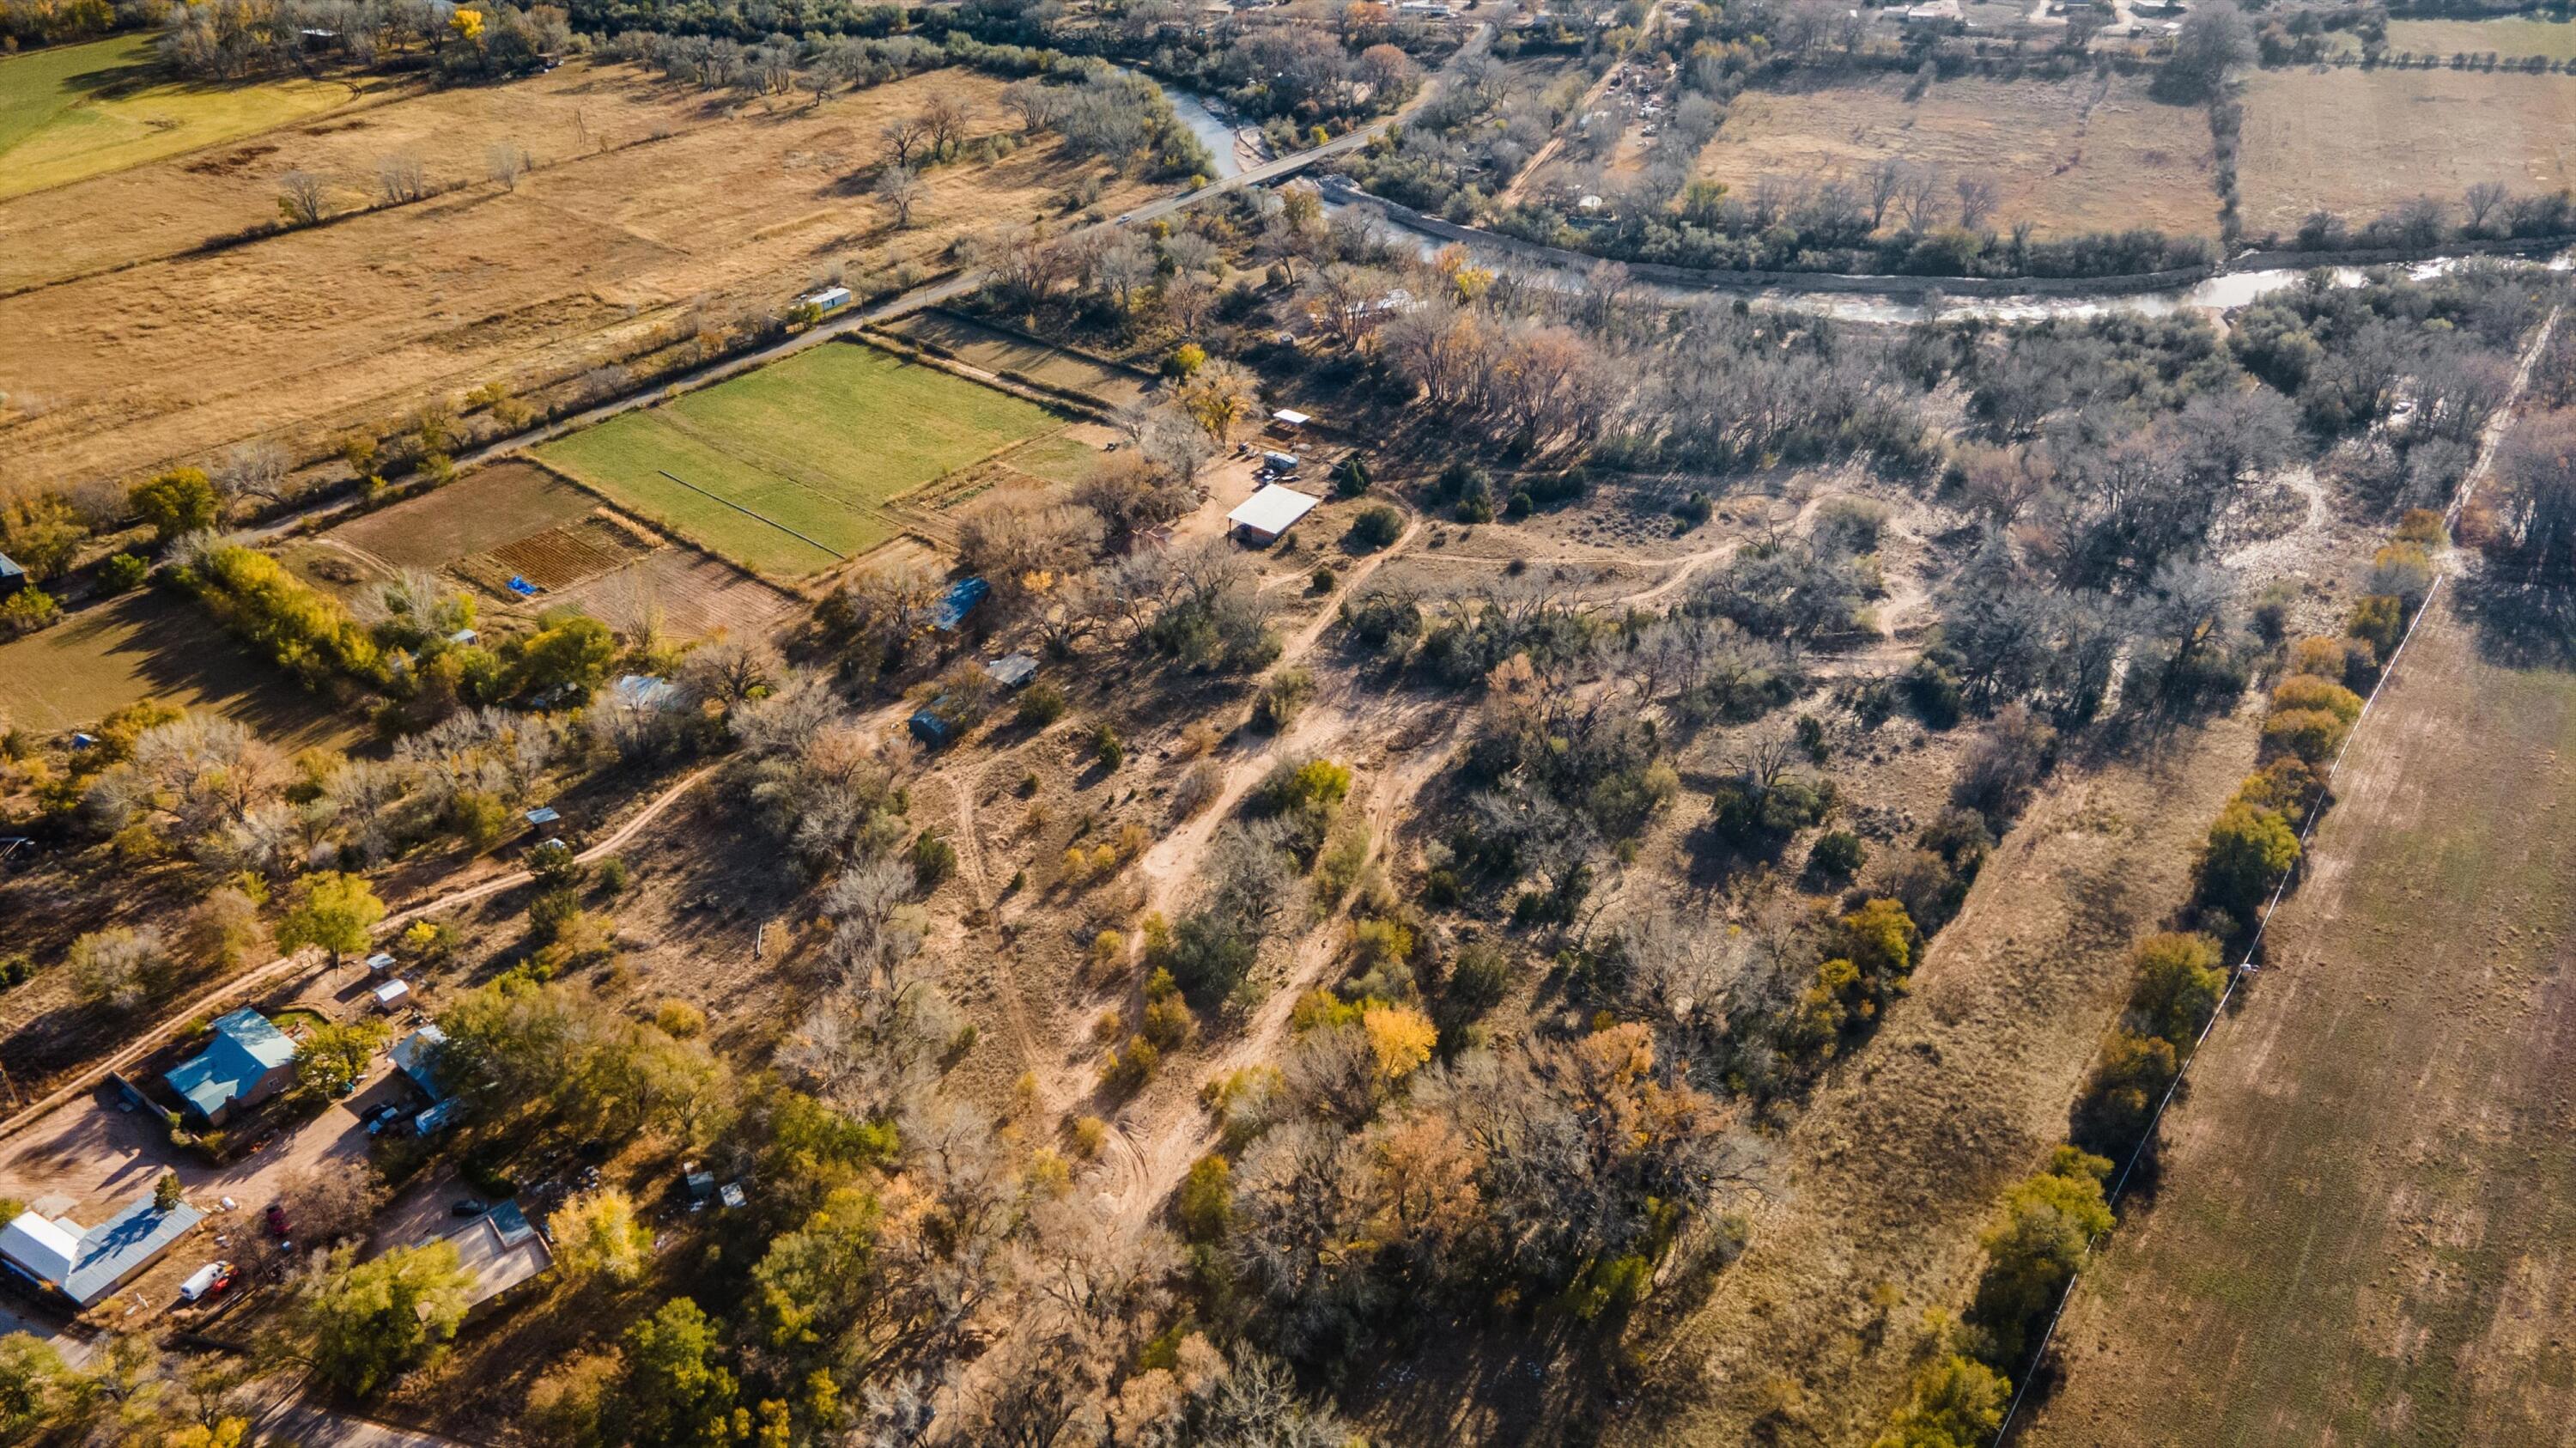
<point x="84" y="1264"/>
<point x="249" y="1061"/>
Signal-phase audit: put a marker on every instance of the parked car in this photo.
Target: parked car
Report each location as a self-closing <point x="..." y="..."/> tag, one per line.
<point x="467" y="1207"/>
<point x="381" y="1118"/>
<point x="277" y="1221"/>
<point x="211" y="1280"/>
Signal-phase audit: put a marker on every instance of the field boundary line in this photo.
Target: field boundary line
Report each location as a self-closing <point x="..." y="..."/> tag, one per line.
<point x="2490" y="438"/>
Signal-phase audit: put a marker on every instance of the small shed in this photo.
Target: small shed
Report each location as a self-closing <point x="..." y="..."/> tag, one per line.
<point x="463" y="636"/>
<point x="929" y="727"/>
<point x="379" y="963"/>
<point x="12" y="577"/>
<point x="1287" y="422"/>
<point x="644" y="693"/>
<point x="829" y="299"/>
<point x="390" y="995"/>
<point x="1269" y="513"/>
<point x="959" y="601"/>
<point x="1012" y="670"/>
<point x="541" y="816"/>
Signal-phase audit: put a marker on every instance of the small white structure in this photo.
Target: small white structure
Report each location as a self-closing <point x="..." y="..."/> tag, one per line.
<point x="1267" y="514"/>
<point x="1289" y="421"/>
<point x="829" y="299"/>
<point x="1936" y="13"/>
<point x="390" y="994"/>
<point x="379" y="963"/>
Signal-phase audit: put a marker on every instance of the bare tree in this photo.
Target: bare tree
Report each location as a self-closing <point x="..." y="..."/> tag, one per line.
<point x="945" y="122"/>
<point x="303" y="197"/>
<point x="507" y="162"/>
<point x="905" y="134"/>
<point x="400" y="178"/>
<point x="1977" y="197"/>
<point x="902" y="188"/>
<point x="1885" y="180"/>
<point x="2481" y="201"/>
<point x="1919" y="197"/>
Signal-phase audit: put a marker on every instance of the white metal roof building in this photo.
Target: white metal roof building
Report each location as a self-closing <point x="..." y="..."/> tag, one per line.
<point x="86" y="1264"/>
<point x="1269" y="513"/>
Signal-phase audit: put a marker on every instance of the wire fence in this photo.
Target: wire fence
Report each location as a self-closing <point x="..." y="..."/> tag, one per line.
<point x="2245" y="964"/>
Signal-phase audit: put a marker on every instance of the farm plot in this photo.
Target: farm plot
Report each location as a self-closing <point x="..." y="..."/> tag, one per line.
<point x="998" y="351"/>
<point x="788" y="469"/>
<point x="595" y="260"/>
<point x="486" y="509"/>
<point x="2363" y="1224"/>
<point x="80" y="110"/>
<point x="2358" y="142"/>
<point x="156" y="646"/>
<point x="2088" y="154"/>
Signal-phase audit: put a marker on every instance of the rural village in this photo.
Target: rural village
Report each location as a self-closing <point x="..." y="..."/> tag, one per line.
<point x="1286" y="723"/>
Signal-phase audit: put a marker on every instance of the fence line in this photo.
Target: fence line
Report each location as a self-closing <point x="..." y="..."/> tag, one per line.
<point x="2316" y="812"/>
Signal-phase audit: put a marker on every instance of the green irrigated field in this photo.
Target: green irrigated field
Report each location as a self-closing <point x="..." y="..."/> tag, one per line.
<point x="814" y="446"/>
<point x="79" y="110"/>
<point x="2364" y="1225"/>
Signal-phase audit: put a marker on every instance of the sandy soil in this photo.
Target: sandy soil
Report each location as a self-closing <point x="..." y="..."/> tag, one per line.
<point x="2073" y="156"/>
<point x="588" y="261"/>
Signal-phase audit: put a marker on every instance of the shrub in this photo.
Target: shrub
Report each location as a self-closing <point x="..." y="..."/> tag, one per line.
<point x="2309" y="691"/>
<point x="1956" y="1402"/>
<point x="2179" y="979"/>
<point x="1376" y="526"/>
<point x="934" y="860"/>
<point x="2249" y="849"/>
<point x="679" y="1020"/>
<point x="1838" y="855"/>
<point x="1041" y="704"/>
<point x="2380" y="619"/>
<point x="1090" y="1133"/>
<point x="121" y="572"/>
<point x="1275" y="707"/>
<point x="2351" y="660"/>
<point x="1130" y="1069"/>
<point x="1111" y="749"/>
<point x="2034" y="1246"/>
<point x="2129" y="1076"/>
<point x="1204" y="1206"/>
<point x="1351" y="476"/>
<point x="176" y="503"/>
<point x="2311" y="734"/>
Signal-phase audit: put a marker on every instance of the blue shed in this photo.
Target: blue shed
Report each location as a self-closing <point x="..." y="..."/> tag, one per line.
<point x="959" y="601"/>
<point x="929" y="728"/>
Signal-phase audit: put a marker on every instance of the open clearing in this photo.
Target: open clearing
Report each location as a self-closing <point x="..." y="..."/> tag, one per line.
<point x="815" y="444"/>
<point x="513" y="518"/>
<point x="577" y="110"/>
<point x="79" y="110"/>
<point x="596" y="259"/>
<point x="2357" y="142"/>
<point x="2090" y="154"/>
<point x="997" y="351"/>
<point x="2364" y="1224"/>
<point x="2507" y="37"/>
<point x="151" y="645"/>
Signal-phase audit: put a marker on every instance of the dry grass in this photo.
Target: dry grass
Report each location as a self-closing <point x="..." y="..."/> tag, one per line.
<point x="74" y="111"/>
<point x="1888" y="1173"/>
<point x="2074" y="156"/>
<point x="2367" y="1202"/>
<point x="2358" y="142"/>
<point x="152" y="645"/>
<point x="589" y="261"/>
<point x="2507" y="37"/>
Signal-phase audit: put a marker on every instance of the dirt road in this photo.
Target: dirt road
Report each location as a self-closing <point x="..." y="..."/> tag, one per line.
<point x="262" y="978"/>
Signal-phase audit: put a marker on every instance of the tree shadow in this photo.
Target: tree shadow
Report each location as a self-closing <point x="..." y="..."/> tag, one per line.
<point x="2518" y="623"/>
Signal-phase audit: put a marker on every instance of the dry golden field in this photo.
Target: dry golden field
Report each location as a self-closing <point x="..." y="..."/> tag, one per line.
<point x="2069" y="157"/>
<point x="588" y="261"/>
<point x="2307" y="1271"/>
<point x="2357" y="142"/>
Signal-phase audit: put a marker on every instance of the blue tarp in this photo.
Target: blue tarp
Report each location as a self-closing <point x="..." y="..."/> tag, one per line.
<point x="522" y="587"/>
<point x="959" y="601"/>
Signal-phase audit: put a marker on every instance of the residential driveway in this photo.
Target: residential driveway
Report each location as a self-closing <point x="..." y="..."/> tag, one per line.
<point x="91" y="1159"/>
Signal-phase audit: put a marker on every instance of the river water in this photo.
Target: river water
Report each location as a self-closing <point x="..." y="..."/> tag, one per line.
<point x="1204" y="118"/>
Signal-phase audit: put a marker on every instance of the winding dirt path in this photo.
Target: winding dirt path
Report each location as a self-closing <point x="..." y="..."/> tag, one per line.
<point x="251" y="983"/>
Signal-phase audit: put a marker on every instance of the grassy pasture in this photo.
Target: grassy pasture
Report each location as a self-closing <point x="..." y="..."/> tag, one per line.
<point x="817" y="443"/>
<point x="2364" y="1229"/>
<point x="81" y="110"/>
<point x="153" y="645"/>
<point x="2508" y="37"/>
<point x="2358" y="142"/>
<point x="2088" y="154"/>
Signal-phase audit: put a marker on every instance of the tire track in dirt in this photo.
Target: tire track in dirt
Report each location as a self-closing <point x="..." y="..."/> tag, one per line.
<point x="970" y="861"/>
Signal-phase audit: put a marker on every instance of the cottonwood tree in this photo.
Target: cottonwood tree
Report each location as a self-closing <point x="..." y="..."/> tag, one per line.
<point x="303" y="198"/>
<point x="900" y="187"/>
